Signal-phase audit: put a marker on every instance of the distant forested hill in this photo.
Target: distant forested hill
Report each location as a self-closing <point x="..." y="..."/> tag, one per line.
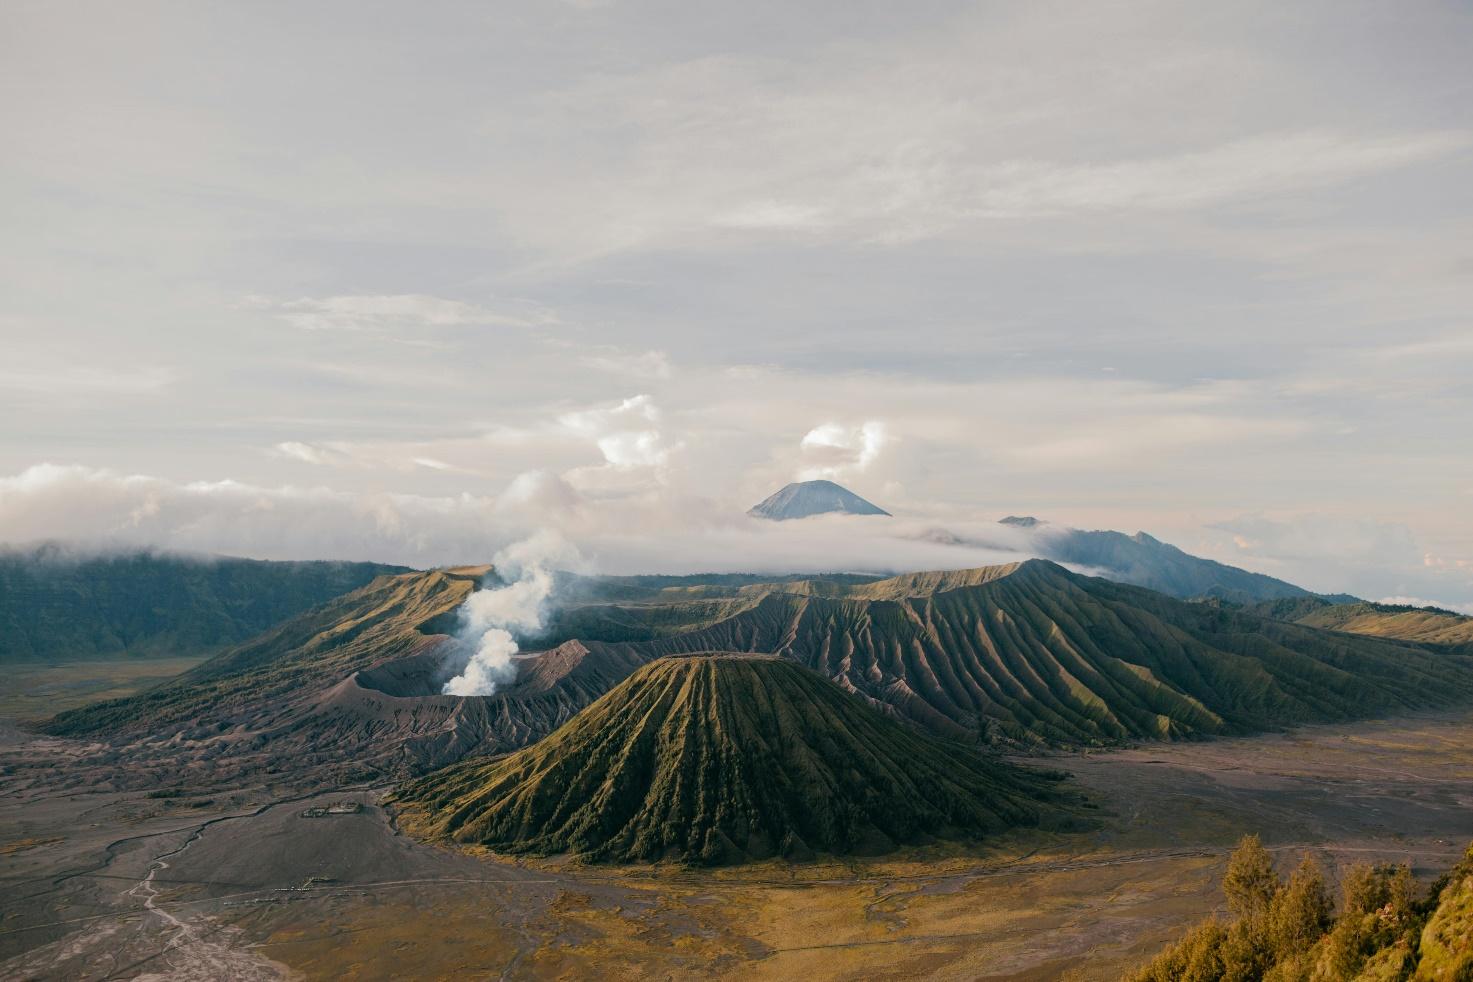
<point x="58" y="605"/>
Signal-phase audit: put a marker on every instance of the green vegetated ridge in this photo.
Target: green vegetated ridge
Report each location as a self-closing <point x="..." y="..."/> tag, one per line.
<point x="717" y="758"/>
<point x="1383" y="929"/>
<point x="1030" y="653"/>
<point x="1021" y="655"/>
<point x="57" y="606"/>
<point x="300" y="658"/>
<point x="1428" y="625"/>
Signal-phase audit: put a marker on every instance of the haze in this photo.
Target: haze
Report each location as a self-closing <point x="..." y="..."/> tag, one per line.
<point x="407" y="284"/>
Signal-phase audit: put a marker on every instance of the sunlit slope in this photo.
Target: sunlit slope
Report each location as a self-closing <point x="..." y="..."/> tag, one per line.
<point x="1383" y="930"/>
<point x="348" y="691"/>
<point x="1446" y="945"/>
<point x="1031" y="653"/>
<point x="1020" y="655"/>
<point x="268" y="676"/>
<point x="1428" y="625"/>
<point x="717" y="759"/>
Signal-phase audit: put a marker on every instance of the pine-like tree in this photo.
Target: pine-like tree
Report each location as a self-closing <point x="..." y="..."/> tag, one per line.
<point x="1250" y="881"/>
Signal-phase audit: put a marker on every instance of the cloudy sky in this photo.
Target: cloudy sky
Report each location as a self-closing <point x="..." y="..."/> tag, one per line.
<point x="403" y="281"/>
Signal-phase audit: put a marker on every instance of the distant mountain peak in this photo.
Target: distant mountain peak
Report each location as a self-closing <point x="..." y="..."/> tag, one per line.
<point x="1021" y="521"/>
<point x="803" y="499"/>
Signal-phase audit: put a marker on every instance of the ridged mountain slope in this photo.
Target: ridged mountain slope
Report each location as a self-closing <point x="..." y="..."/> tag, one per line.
<point x="350" y="688"/>
<point x="1022" y="655"/>
<point x="718" y="759"/>
<point x="1031" y="653"/>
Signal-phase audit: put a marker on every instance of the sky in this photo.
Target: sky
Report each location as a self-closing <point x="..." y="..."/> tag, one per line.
<point x="410" y="281"/>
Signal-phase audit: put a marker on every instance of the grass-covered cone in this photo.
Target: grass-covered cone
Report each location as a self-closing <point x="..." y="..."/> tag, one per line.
<point x="723" y="758"/>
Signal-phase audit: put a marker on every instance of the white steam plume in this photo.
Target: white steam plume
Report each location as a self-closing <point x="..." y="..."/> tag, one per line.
<point x="491" y="619"/>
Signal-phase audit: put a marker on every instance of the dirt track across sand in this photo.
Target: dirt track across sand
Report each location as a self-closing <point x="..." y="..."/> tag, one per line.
<point x="102" y="884"/>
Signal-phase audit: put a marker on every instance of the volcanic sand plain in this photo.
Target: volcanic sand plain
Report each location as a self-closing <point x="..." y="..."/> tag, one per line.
<point x="36" y="691"/>
<point x="248" y="882"/>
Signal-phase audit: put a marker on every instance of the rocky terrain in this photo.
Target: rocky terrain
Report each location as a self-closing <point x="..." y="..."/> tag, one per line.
<point x="1021" y="655"/>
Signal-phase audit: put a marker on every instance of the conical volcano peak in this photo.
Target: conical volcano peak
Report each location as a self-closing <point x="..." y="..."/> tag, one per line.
<point x="803" y="499"/>
<point x="723" y="757"/>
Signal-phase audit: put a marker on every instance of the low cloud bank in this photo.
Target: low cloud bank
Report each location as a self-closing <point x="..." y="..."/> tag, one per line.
<point x="656" y="532"/>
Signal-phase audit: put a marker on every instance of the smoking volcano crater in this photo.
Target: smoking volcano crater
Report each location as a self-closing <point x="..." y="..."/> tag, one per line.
<point x="418" y="676"/>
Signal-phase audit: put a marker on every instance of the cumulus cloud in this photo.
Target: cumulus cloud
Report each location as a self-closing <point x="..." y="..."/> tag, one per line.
<point x="96" y="505"/>
<point x="627" y="434"/>
<point x="538" y="493"/>
<point x="832" y="450"/>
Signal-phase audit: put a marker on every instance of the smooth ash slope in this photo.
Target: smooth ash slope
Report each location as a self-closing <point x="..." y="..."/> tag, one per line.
<point x="717" y="759"/>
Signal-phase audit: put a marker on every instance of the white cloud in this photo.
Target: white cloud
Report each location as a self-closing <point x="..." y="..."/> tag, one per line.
<point x="831" y="450"/>
<point x="627" y="434"/>
<point x="308" y="453"/>
<point x="659" y="532"/>
<point x="659" y="529"/>
<point x="539" y="493"/>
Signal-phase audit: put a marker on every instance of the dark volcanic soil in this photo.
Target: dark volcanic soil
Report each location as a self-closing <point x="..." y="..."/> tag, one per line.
<point x="239" y="883"/>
